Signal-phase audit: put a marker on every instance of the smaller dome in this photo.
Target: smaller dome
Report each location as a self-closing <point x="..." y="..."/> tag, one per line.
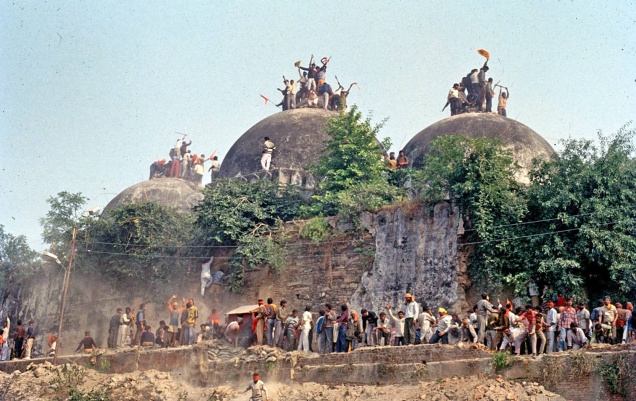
<point x="182" y="194"/>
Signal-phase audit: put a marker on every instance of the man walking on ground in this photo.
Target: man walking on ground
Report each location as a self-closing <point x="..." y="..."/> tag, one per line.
<point x="259" y="392"/>
<point x="113" y="329"/>
<point x="410" y="314"/>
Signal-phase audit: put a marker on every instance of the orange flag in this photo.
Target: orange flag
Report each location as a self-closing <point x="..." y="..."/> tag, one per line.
<point x="266" y="99"/>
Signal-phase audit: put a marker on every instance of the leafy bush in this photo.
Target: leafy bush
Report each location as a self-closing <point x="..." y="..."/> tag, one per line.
<point x="141" y="240"/>
<point x="248" y="215"/>
<point x="316" y="229"/>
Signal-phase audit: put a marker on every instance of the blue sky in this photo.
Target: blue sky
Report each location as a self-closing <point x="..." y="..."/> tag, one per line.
<point x="93" y="91"/>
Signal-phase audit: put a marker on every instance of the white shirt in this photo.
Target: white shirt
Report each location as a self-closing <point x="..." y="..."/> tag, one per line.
<point x="306" y="320"/>
<point x="552" y="317"/>
<point x="473" y="319"/>
<point x="411" y="310"/>
<point x="512" y="319"/>
<point x="424" y="320"/>
<point x="512" y="337"/>
<point x="399" y="324"/>
<point x="577" y="337"/>
<point x="258" y="389"/>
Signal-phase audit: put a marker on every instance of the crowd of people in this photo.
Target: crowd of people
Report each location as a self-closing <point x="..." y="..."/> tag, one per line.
<point x="312" y="90"/>
<point x="184" y="164"/>
<point x="23" y="340"/>
<point x="474" y="93"/>
<point x="556" y="325"/>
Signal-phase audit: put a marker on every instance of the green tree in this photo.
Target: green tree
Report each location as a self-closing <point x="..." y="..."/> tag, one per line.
<point x="477" y="175"/>
<point x="351" y="174"/>
<point x="17" y="259"/>
<point x="144" y="240"/>
<point x="62" y="217"/>
<point x="248" y="215"/>
<point x="587" y="194"/>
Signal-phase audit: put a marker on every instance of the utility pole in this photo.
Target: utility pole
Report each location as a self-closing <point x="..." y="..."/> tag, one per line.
<point x="67" y="278"/>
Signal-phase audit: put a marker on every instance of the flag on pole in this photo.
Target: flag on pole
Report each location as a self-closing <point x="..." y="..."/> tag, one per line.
<point x="484" y="53"/>
<point x="357" y="86"/>
<point x="266" y="99"/>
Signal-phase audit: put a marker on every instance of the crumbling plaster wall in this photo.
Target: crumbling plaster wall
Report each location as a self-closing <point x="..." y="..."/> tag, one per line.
<point x="409" y="248"/>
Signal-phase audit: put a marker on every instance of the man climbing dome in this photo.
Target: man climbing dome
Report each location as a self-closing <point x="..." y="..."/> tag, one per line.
<point x="268" y="149"/>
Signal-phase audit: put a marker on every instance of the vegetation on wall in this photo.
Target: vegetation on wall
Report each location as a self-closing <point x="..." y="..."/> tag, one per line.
<point x="572" y="229"/>
<point x="352" y="175"/>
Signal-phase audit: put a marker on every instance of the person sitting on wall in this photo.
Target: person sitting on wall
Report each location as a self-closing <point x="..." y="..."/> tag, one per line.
<point x="148" y="338"/>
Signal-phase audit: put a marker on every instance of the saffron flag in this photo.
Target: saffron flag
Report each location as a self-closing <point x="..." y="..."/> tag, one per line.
<point x="266" y="99"/>
<point x="484" y="53"/>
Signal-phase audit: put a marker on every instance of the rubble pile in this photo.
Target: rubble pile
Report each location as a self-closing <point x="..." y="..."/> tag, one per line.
<point x="48" y="382"/>
<point x="219" y="351"/>
<point x="43" y="382"/>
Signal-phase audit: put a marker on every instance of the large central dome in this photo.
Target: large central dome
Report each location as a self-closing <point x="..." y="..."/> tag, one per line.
<point x="523" y="142"/>
<point x="298" y="135"/>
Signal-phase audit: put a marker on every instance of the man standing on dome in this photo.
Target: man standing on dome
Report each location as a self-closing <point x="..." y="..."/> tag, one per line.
<point x="311" y="74"/>
<point x="268" y="150"/>
<point x="291" y="95"/>
<point x="489" y="95"/>
<point x="453" y="99"/>
<point x="303" y="81"/>
<point x="503" y="99"/>
<point x="214" y="169"/>
<point x="325" y="91"/>
<point x="482" y="86"/>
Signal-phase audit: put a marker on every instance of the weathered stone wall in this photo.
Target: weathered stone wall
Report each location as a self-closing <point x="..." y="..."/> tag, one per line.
<point x="416" y="252"/>
<point x="410" y="248"/>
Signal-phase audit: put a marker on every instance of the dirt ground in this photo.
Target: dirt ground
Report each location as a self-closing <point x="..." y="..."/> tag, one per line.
<point x="48" y="382"/>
